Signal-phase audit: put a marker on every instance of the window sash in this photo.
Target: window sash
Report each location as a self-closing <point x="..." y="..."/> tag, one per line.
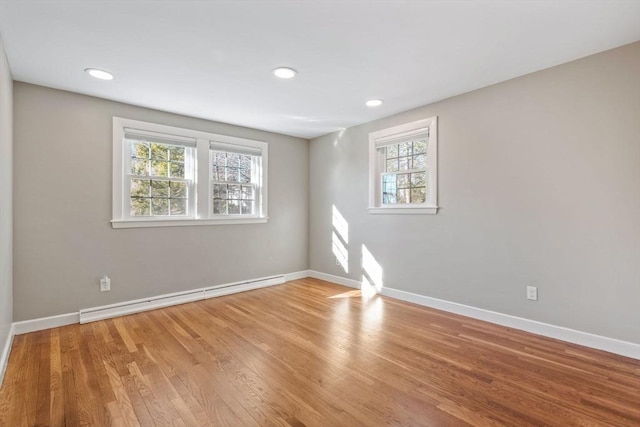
<point x="189" y="171"/>
<point x="410" y="186"/>
<point x="255" y="181"/>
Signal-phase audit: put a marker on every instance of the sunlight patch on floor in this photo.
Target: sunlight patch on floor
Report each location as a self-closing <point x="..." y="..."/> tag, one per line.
<point x="356" y="293"/>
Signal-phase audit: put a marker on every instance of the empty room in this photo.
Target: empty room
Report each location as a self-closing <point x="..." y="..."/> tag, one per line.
<point x="319" y="213"/>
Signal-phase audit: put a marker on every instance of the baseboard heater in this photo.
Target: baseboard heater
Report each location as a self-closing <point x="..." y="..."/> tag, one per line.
<point x="120" y="309"/>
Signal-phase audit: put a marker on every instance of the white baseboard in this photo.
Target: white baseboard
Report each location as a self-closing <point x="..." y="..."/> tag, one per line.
<point x="6" y="350"/>
<point x="288" y="277"/>
<point x="43" y="323"/>
<point x="586" y="339"/>
<point x="335" y="279"/>
<point x="612" y="345"/>
<point x="159" y="301"/>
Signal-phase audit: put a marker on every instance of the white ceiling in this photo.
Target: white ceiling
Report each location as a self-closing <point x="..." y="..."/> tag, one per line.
<point x="213" y="59"/>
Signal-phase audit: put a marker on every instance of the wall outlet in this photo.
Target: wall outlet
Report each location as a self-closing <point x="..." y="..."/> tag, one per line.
<point x="337" y="261"/>
<point x="532" y="293"/>
<point x="105" y="284"/>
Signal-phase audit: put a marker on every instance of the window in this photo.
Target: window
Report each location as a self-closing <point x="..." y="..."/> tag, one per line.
<point x="403" y="169"/>
<point x="235" y="180"/>
<point x="166" y="176"/>
<point x="159" y="176"/>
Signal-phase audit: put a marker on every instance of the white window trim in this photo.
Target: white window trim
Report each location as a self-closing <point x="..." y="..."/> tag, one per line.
<point x="201" y="203"/>
<point x="406" y="130"/>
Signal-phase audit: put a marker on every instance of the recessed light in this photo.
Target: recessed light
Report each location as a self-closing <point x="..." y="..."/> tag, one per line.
<point x="285" y="72"/>
<point x="374" y="102"/>
<point x="99" y="74"/>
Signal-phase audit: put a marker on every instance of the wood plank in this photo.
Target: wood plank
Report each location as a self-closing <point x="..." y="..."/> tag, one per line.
<point x="310" y="353"/>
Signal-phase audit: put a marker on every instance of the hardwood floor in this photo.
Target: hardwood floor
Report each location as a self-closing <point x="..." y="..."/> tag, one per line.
<point x="310" y="353"/>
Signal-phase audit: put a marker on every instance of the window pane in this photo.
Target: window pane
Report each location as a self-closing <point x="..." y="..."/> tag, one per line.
<point x="219" y="207"/>
<point x="392" y="150"/>
<point x="219" y="191"/>
<point x="418" y="161"/>
<point x="389" y="189"/>
<point x="140" y="206"/>
<point x="160" y="206"/>
<point x="245" y="162"/>
<point x="140" y="167"/>
<point x="418" y="179"/>
<point x="418" y="195"/>
<point x="140" y="187"/>
<point x="217" y="174"/>
<point x="178" y="206"/>
<point x="232" y="175"/>
<point x="420" y="146"/>
<point x="234" y="192"/>
<point x="178" y="189"/>
<point x="159" y="168"/>
<point x="159" y="188"/>
<point x="159" y="151"/>
<point x="234" y="207"/>
<point x="219" y="158"/>
<point x="403" y="163"/>
<point x="392" y="165"/>
<point x="244" y="175"/>
<point x="177" y="170"/>
<point x="404" y="148"/>
<point x="176" y="154"/>
<point x="140" y="150"/>
<point x="403" y="180"/>
<point x="233" y="160"/>
<point x="402" y="195"/>
<point x="247" y="207"/>
<point x="247" y="192"/>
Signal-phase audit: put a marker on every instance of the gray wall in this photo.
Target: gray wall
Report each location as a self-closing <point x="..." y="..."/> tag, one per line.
<point x="6" y="198"/>
<point x="63" y="239"/>
<point x="539" y="184"/>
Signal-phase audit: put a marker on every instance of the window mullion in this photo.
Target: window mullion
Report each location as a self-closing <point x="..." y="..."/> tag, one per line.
<point x="126" y="167"/>
<point x="202" y="202"/>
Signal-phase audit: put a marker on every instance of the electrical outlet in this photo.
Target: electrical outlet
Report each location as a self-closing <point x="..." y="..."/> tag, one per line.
<point x="105" y="284"/>
<point x="532" y="293"/>
<point x="337" y="261"/>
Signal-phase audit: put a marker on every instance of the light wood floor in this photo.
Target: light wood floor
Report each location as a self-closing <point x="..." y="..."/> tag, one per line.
<point x="310" y="353"/>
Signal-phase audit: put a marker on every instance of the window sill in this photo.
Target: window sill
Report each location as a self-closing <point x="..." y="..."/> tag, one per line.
<point x="144" y="223"/>
<point x="405" y="210"/>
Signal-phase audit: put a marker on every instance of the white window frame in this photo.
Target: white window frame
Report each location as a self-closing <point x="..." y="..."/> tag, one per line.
<point x="257" y="178"/>
<point x="200" y="196"/>
<point x="397" y="134"/>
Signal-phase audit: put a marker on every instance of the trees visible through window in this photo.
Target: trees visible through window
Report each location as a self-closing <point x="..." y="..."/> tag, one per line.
<point x="164" y="175"/>
<point x="234" y="189"/>
<point x="158" y="179"/>
<point x="403" y="168"/>
<point x="405" y="176"/>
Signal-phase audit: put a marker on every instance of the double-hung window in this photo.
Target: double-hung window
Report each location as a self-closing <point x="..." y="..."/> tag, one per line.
<point x="164" y="176"/>
<point x="235" y="179"/>
<point x="403" y="168"/>
<point x="158" y="175"/>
